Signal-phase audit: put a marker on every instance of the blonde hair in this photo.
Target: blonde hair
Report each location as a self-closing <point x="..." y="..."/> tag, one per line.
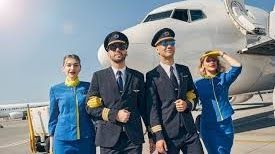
<point x="220" y="66"/>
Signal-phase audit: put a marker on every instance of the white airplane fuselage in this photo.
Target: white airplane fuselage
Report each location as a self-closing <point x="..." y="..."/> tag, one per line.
<point x="216" y="31"/>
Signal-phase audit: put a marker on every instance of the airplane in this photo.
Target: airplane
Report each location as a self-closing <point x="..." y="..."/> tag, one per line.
<point x="245" y="32"/>
<point x="17" y="111"/>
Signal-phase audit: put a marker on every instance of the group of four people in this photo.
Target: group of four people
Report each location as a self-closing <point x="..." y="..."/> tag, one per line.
<point x="118" y="97"/>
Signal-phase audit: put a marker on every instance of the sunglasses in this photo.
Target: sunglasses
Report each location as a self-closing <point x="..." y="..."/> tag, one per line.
<point x="210" y="59"/>
<point x="120" y="46"/>
<point x="166" y="43"/>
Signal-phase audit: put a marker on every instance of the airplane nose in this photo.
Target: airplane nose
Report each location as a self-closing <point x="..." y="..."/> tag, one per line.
<point x="137" y="38"/>
<point x="140" y="34"/>
<point x="103" y="57"/>
<point x="140" y="48"/>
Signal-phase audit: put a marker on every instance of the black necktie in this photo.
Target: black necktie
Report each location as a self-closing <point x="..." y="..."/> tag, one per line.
<point x="173" y="78"/>
<point x="119" y="81"/>
<point x="176" y="86"/>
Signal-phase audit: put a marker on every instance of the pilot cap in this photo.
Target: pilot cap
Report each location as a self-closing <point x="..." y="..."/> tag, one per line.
<point x="115" y="37"/>
<point x="163" y="34"/>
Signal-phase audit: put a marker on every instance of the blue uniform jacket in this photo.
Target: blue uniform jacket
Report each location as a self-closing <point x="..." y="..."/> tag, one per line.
<point x="65" y="123"/>
<point x="213" y="95"/>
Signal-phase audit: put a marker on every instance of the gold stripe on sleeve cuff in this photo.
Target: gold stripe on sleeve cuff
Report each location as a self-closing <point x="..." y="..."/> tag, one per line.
<point x="156" y="128"/>
<point x="105" y="113"/>
<point x="94" y="102"/>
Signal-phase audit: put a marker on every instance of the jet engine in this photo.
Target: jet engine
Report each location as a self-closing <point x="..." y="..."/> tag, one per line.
<point x="16" y="115"/>
<point x="240" y="98"/>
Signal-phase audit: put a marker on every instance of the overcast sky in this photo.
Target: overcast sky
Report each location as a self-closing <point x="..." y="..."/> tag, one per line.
<point x="36" y="34"/>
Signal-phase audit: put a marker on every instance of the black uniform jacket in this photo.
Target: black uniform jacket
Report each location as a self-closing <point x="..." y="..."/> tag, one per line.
<point x="104" y="100"/>
<point x="165" y="120"/>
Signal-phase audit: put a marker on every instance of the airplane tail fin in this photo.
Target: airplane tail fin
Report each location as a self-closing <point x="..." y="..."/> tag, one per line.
<point x="272" y="23"/>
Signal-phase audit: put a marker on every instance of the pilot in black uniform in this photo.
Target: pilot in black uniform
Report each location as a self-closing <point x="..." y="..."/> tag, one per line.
<point x="116" y="101"/>
<point x="172" y="96"/>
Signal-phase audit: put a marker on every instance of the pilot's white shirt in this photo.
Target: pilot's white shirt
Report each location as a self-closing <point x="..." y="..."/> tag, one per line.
<point x="167" y="70"/>
<point x="123" y="75"/>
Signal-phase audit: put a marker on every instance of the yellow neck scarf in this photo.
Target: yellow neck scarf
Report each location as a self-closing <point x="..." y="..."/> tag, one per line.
<point x="72" y="83"/>
<point x="210" y="76"/>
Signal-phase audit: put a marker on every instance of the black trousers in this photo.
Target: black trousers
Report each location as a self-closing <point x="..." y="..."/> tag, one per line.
<point x="191" y="145"/>
<point x="123" y="146"/>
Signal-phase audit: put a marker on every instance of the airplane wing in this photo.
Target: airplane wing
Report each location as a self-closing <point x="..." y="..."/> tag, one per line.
<point x="264" y="47"/>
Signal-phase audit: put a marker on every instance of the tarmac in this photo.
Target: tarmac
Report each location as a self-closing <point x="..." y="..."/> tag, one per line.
<point x="253" y="120"/>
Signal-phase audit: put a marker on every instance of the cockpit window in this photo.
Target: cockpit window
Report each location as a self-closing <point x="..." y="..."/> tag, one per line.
<point x="158" y="16"/>
<point x="196" y="15"/>
<point x="185" y="15"/>
<point x="181" y="15"/>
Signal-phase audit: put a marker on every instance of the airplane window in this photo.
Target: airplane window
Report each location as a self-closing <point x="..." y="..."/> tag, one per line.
<point x="158" y="16"/>
<point x="180" y="15"/>
<point x="196" y="15"/>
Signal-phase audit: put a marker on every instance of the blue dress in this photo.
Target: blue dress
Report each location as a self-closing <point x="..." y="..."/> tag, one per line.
<point x="216" y="126"/>
<point x="69" y="123"/>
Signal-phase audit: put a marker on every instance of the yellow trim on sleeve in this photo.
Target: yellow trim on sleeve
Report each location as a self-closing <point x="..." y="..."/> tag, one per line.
<point x="156" y="128"/>
<point x="94" y="102"/>
<point x="105" y="113"/>
<point x="191" y="96"/>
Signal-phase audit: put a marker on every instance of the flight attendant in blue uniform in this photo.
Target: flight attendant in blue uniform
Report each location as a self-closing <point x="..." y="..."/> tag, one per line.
<point x="216" y="123"/>
<point x="69" y="124"/>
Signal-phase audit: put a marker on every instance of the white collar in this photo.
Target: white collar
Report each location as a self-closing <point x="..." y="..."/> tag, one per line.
<point x="122" y="70"/>
<point x="167" y="69"/>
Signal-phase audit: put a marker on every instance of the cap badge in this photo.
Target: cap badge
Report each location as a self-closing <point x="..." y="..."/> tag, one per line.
<point x="166" y="34"/>
<point x="116" y="36"/>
